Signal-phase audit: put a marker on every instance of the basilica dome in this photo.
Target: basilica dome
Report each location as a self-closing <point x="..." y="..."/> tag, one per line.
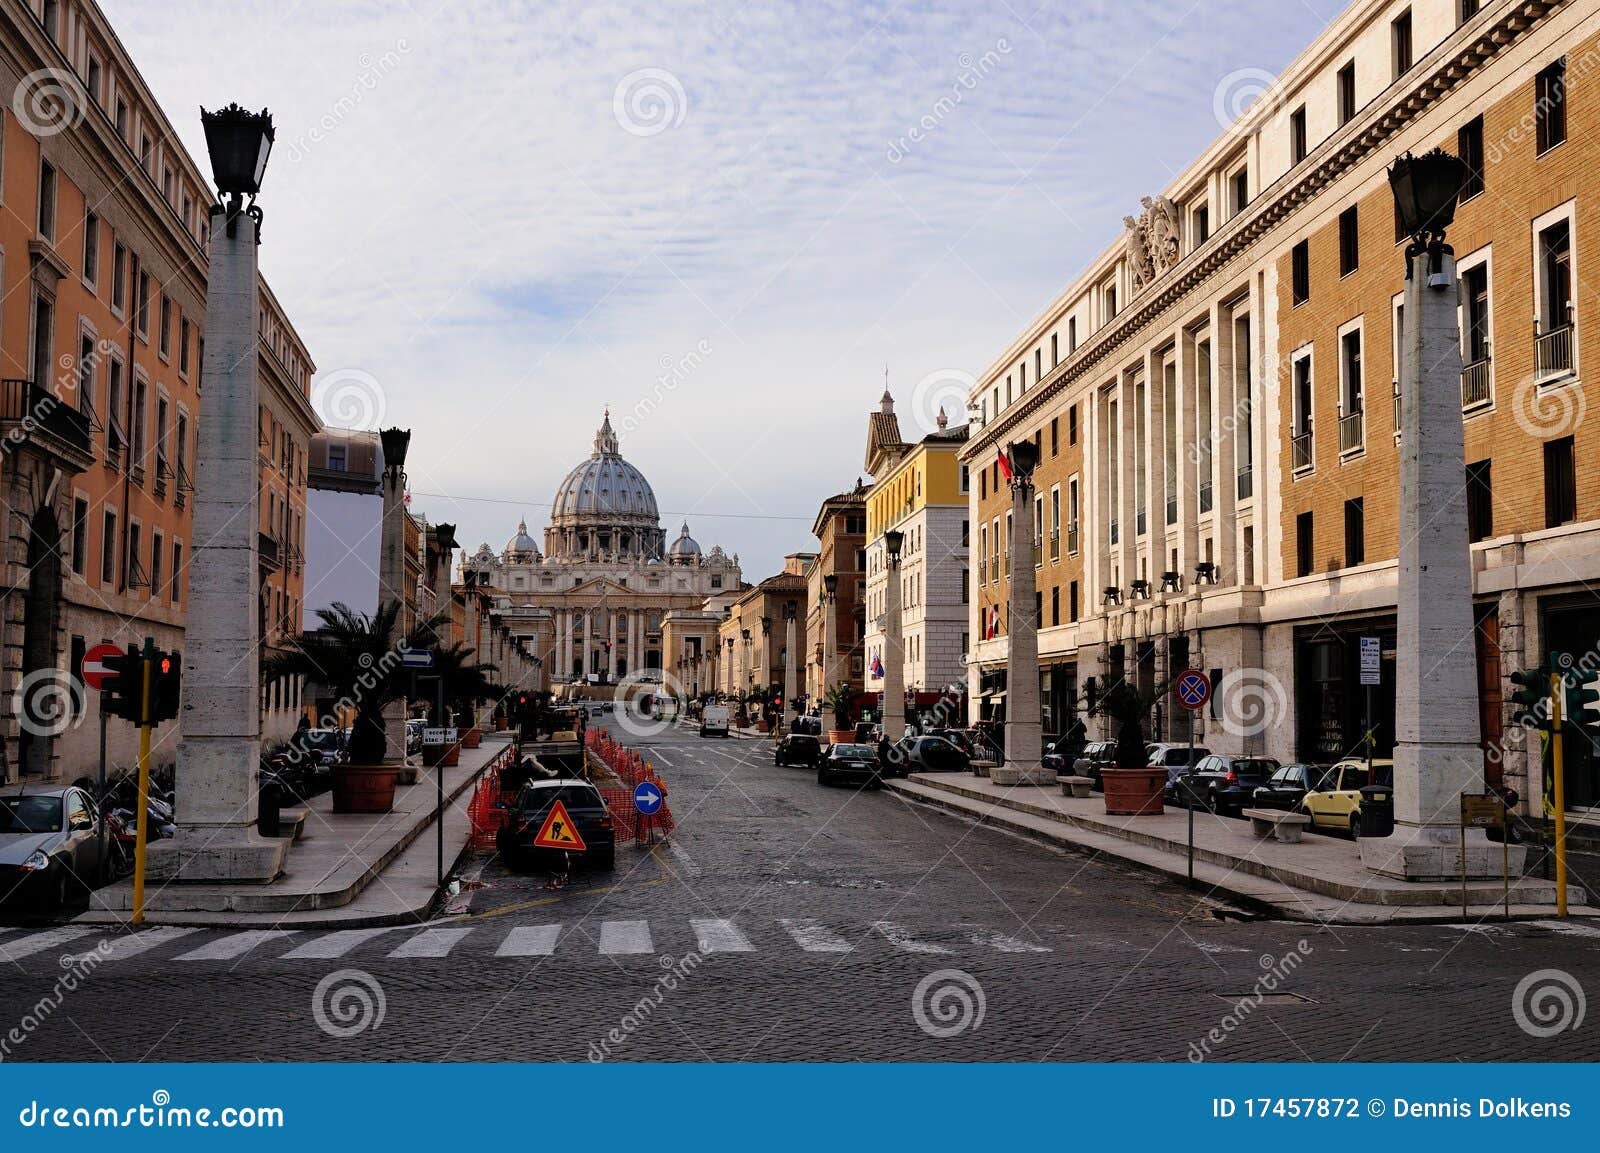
<point x="684" y="550"/>
<point x="605" y="505"/>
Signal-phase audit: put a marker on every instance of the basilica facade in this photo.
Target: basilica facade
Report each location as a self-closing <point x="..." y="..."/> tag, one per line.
<point x="590" y="602"/>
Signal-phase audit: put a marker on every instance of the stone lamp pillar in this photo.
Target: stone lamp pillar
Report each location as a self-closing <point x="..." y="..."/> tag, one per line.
<point x="392" y="581"/>
<point x="790" y="689"/>
<point x="1024" y="732"/>
<point x="220" y="752"/>
<point x="894" y="670"/>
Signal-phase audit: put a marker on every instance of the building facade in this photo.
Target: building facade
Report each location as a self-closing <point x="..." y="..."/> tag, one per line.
<point x="1215" y="397"/>
<point x="841" y="532"/>
<point x="103" y="254"/>
<point x="753" y="634"/>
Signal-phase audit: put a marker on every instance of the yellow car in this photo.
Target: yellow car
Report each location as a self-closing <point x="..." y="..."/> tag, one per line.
<point x="1335" y="802"/>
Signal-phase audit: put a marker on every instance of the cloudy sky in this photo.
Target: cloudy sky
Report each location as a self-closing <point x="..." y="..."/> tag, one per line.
<point x="490" y="219"/>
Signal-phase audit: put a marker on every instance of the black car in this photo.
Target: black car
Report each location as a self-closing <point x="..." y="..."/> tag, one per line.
<point x="1096" y="755"/>
<point x="929" y="755"/>
<point x="584" y="806"/>
<point x="1227" y="784"/>
<point x="809" y="725"/>
<point x="1287" y="787"/>
<point x="797" y="749"/>
<point x="849" y="762"/>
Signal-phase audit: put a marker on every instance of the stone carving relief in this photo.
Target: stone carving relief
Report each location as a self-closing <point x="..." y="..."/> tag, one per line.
<point x="1152" y="240"/>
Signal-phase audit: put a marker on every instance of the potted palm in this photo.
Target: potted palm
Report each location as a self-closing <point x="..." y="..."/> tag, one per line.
<point x="354" y="657"/>
<point x="840" y="700"/>
<point x="1133" y="788"/>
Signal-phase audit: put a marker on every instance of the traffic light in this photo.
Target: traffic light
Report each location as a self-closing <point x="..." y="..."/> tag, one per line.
<point x="166" y="679"/>
<point x="1578" y="698"/>
<point x="1532" y="691"/>
<point x="121" y="692"/>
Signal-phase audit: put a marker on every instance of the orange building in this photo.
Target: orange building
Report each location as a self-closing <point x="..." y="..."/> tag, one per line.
<point x="104" y="234"/>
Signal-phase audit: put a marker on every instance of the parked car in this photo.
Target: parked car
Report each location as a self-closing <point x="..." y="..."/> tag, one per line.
<point x="1176" y="759"/>
<point x="1287" y="787"/>
<point x="1097" y="755"/>
<point x="414" y="729"/>
<point x="929" y="755"/>
<point x="797" y="749"/>
<point x="849" y="762"/>
<point x="809" y="725"/>
<point x="960" y="738"/>
<point x="1336" y="802"/>
<point x="1227" y="784"/>
<point x="714" y="721"/>
<point x="584" y="806"/>
<point x="49" y="844"/>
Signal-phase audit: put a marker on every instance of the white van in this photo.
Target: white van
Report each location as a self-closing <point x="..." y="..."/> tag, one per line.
<point x="714" y="720"/>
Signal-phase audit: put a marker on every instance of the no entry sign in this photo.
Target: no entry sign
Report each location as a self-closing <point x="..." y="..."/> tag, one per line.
<point x="95" y="670"/>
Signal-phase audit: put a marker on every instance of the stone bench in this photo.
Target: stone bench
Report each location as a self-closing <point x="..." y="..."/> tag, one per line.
<point x="1279" y="823"/>
<point x="1076" y="786"/>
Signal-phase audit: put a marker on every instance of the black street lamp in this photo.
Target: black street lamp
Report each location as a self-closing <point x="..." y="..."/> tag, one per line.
<point x="239" y="142"/>
<point x="893" y="541"/>
<point x="444" y="537"/>
<point x="1024" y="458"/>
<point x="395" y="443"/>
<point x="1426" y="189"/>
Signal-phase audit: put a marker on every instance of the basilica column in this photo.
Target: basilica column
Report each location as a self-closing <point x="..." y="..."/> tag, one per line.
<point x="633" y="643"/>
<point x="611" y="648"/>
<point x="588" y="643"/>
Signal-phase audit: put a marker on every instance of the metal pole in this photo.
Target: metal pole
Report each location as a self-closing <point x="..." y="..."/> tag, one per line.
<point x="438" y="816"/>
<point x="100" y="817"/>
<point x="146" y="666"/>
<point x="1505" y="853"/>
<point x="1560" y="739"/>
<point x="1188" y="787"/>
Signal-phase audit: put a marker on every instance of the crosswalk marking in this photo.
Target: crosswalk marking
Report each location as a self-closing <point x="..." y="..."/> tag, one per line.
<point x="530" y="941"/>
<point x="335" y="944"/>
<point x="900" y="937"/>
<point x="235" y="945"/>
<point x="1004" y="943"/>
<point x="625" y="937"/>
<point x="39" y="942"/>
<point x="431" y="943"/>
<point x="715" y="936"/>
<point x="814" y="937"/>
<point x="132" y="944"/>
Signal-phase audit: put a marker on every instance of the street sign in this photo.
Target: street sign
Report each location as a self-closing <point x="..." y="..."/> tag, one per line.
<point x="647" y="798"/>
<point x="1193" y="689"/>
<point x="1486" y="811"/>
<point x="416" y="658"/>
<point x="558" y="832"/>
<point x="439" y="736"/>
<point x="1371" y="661"/>
<point x="95" y="671"/>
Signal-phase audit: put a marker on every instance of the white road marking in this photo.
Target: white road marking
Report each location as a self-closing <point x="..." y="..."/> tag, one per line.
<point x="1568" y="928"/>
<point x="814" y="937"/>
<point x="684" y="858"/>
<point x="530" y="941"/>
<point x="655" y="754"/>
<point x="900" y="937"/>
<point x="1004" y="943"/>
<point x="625" y="937"/>
<point x="39" y="942"/>
<point x="235" y="945"/>
<point x="715" y="936"/>
<point x="431" y="943"/>
<point x="331" y="945"/>
<point x="132" y="944"/>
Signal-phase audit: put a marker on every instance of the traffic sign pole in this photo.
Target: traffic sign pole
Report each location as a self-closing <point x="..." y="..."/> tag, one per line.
<point x="146" y="669"/>
<point x="1559" y="738"/>
<point x="1189" y="803"/>
<point x="1193" y="690"/>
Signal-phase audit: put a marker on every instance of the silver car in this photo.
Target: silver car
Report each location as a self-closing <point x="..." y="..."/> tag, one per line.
<point x="49" y="844"/>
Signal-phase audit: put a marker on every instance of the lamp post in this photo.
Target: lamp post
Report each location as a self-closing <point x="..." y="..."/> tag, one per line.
<point x="1024" y="733"/>
<point x="894" y="672"/>
<point x="830" y="628"/>
<point x="1436" y="756"/>
<point x="396" y="442"/>
<point x="790" y="689"/>
<point x="220" y="752"/>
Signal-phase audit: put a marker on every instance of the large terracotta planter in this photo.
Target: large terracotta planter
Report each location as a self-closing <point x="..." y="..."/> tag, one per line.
<point x="501" y="724"/>
<point x="841" y="736"/>
<point x="1134" y="792"/>
<point x="452" y="755"/>
<point x="472" y="738"/>
<point x="363" y="788"/>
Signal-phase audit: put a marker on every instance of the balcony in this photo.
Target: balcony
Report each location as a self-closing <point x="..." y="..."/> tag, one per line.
<point x="1475" y="383"/>
<point x="267" y="545"/>
<point x="1055" y="545"/>
<point x="1038" y="552"/>
<point x="1352" y="432"/>
<point x="1247" y="481"/>
<point x="1072" y="540"/>
<point x="1552" y="352"/>
<point x="1007" y="559"/>
<point x="1300" y="449"/>
<point x="1205" y="496"/>
<point x="994" y="569"/>
<point x="36" y="411"/>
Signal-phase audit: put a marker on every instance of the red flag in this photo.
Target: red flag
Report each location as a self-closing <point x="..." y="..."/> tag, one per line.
<point x="1005" y="465"/>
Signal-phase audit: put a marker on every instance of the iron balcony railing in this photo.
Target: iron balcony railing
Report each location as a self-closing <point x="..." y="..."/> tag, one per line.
<point x="1055" y="544"/>
<point x="1475" y="383"/>
<point x="1352" y="431"/>
<point x="33" y="408"/>
<point x="1247" y="480"/>
<point x="1552" y="351"/>
<point x="994" y="568"/>
<point x="1300" y="444"/>
<point x="1072" y="540"/>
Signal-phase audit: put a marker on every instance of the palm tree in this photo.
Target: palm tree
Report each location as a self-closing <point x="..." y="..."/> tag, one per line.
<point x="356" y="658"/>
<point x="841" y="699"/>
<point x="466" y="684"/>
<point x="1126" y="705"/>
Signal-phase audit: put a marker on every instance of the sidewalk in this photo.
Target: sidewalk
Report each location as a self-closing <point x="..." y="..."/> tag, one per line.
<point x="346" y="870"/>
<point x="1320" y="879"/>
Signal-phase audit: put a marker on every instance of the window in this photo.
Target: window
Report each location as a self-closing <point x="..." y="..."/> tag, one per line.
<point x="122" y="120"/>
<point x="1469" y="147"/>
<point x="1355" y="543"/>
<point x="1202" y="225"/>
<point x="135" y="571"/>
<point x="47" y="200"/>
<point x="1055" y="604"/>
<point x="181" y="453"/>
<point x="1549" y="105"/>
<point x="1300" y="261"/>
<point x="1347" y="93"/>
<point x="108" y="548"/>
<point x="1072" y="335"/>
<point x="1055" y="350"/>
<point x="1469" y="9"/>
<point x="86" y="359"/>
<point x="1072" y="601"/>
<point x="140" y="401"/>
<point x="1400" y="43"/>
<point x="1475" y="304"/>
<point x="1350" y="371"/>
<point x="1349" y="241"/>
<point x="1480" y="501"/>
<point x="1111" y="302"/>
<point x="164" y="338"/>
<point x="336" y="457"/>
<point x="141" y="306"/>
<point x="177" y="568"/>
<point x="1304" y="545"/>
<point x="119" y="286"/>
<point x="80" y="535"/>
<point x="1055" y="443"/>
<point x="162" y="467"/>
<point x="1560" y="483"/>
<point x="91" y="250"/>
<point x="1297" y="135"/>
<point x="157" y="585"/>
<point x="964" y="581"/>
<point x="114" y="430"/>
<point x="183" y="345"/>
<point x="1072" y="425"/>
<point x="1239" y="188"/>
<point x="1038" y="365"/>
<point x="43" y="341"/>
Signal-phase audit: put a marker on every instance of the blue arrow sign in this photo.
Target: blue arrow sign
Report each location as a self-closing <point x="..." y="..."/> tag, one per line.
<point x="647" y="798"/>
<point x="416" y="658"/>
